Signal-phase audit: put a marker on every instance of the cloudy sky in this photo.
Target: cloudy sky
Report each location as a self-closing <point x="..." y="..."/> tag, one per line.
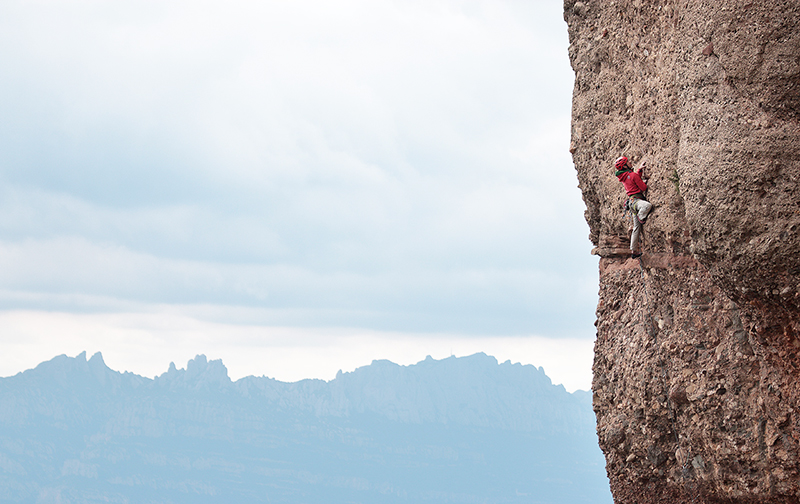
<point x="294" y="187"/>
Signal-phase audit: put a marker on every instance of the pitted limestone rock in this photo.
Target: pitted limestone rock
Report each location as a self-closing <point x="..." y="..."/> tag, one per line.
<point x="697" y="360"/>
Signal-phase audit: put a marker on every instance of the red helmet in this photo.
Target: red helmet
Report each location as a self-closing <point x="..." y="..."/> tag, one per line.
<point x="620" y="162"/>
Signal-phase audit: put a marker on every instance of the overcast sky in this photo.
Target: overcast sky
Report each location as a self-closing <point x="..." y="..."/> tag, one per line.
<point x="295" y="187"/>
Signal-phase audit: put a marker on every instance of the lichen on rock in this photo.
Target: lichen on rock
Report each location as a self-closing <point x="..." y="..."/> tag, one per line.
<point x="697" y="359"/>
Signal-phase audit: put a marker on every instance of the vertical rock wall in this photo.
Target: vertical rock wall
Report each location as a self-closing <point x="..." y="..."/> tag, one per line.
<point x="697" y="363"/>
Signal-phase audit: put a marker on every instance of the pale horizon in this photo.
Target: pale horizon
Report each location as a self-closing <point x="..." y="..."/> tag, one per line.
<point x="146" y="344"/>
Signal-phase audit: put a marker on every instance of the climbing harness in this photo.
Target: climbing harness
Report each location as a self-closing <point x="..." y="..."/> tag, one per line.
<point x="626" y="208"/>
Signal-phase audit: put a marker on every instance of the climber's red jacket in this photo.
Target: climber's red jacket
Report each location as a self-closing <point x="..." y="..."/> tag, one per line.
<point x="632" y="180"/>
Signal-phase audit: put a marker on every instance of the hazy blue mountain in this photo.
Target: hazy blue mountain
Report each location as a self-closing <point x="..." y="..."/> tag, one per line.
<point x="458" y="430"/>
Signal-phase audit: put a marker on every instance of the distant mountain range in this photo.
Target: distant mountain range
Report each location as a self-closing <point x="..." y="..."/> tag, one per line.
<point x="457" y="430"/>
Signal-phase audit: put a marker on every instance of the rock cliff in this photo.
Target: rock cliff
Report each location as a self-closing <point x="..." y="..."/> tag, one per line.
<point x="696" y="366"/>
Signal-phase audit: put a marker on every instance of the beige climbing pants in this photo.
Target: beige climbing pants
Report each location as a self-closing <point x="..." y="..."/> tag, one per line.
<point x="640" y="209"/>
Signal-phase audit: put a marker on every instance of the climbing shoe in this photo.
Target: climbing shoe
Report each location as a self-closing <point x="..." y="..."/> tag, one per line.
<point x="636" y="255"/>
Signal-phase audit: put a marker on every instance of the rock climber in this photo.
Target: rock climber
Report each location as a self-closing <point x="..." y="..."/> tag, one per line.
<point x="635" y="187"/>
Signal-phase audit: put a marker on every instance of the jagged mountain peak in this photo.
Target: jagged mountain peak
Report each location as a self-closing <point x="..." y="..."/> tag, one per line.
<point x="62" y="367"/>
<point x="97" y="358"/>
<point x="199" y="373"/>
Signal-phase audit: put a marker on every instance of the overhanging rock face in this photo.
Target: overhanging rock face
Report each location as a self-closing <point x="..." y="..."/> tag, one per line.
<point x="697" y="364"/>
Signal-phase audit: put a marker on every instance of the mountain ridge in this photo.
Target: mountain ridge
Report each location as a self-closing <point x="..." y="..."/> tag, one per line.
<point x="454" y="430"/>
<point x="383" y="387"/>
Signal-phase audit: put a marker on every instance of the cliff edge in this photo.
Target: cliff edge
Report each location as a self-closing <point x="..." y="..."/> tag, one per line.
<point x="696" y="361"/>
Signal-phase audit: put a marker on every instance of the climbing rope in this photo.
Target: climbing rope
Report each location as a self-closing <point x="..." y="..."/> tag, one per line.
<point x="652" y="333"/>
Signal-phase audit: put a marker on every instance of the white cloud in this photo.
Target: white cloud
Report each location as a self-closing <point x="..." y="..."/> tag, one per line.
<point x="389" y="165"/>
<point x="489" y="300"/>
